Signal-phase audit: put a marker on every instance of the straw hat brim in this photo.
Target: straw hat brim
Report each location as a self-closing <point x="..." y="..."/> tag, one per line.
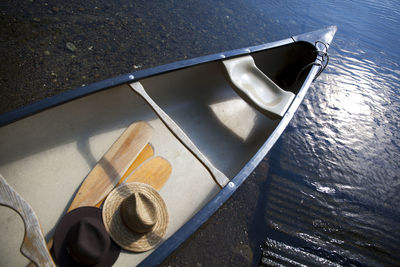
<point x="120" y="233"/>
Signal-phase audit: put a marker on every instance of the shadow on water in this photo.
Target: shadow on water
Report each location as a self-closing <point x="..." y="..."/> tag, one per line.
<point x="303" y="225"/>
<point x="280" y="214"/>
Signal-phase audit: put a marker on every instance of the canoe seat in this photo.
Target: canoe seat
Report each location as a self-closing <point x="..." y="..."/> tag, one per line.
<point x="256" y="88"/>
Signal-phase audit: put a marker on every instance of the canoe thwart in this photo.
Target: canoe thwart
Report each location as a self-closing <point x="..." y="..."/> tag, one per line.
<point x="218" y="176"/>
<point x="255" y="87"/>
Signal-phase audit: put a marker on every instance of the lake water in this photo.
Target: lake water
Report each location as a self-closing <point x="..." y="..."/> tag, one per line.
<point x="329" y="192"/>
<point x="334" y="189"/>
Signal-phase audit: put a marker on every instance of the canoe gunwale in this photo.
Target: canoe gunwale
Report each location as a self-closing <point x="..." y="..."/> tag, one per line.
<point x="169" y="245"/>
<point x="72" y="94"/>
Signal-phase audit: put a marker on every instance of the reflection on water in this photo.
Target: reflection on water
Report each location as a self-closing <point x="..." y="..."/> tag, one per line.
<point x="336" y="169"/>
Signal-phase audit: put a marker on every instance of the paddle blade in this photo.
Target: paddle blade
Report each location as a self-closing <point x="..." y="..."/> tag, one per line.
<point x="154" y="172"/>
<point x="112" y="166"/>
<point x="146" y="153"/>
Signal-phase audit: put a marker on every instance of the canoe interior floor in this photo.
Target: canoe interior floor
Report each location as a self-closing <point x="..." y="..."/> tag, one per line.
<point x="45" y="157"/>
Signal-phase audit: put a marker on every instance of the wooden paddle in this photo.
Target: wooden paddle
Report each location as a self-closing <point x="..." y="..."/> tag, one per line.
<point x="113" y="165"/>
<point x="154" y="172"/>
<point x="146" y="153"/>
<point x="33" y="245"/>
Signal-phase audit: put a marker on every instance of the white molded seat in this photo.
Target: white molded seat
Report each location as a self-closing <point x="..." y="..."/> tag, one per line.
<point x="254" y="86"/>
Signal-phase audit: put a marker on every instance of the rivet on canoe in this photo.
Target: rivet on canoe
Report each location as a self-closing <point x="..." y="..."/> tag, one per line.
<point x="131" y="77"/>
<point x="231" y="184"/>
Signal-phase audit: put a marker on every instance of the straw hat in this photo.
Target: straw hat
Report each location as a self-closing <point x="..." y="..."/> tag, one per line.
<point x="80" y="239"/>
<point x="135" y="216"/>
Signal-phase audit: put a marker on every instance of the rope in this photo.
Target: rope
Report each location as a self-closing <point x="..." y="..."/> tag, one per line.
<point x="322" y="57"/>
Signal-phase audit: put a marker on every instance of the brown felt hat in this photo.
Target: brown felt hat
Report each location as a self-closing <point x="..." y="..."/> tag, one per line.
<point x="135" y="216"/>
<point x="80" y="239"/>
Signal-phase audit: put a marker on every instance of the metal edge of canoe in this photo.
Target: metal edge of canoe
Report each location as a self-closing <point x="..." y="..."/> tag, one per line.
<point x="69" y="95"/>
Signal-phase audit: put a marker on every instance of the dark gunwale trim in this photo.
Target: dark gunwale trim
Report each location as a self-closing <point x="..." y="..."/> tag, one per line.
<point x="167" y="247"/>
<point x="72" y="94"/>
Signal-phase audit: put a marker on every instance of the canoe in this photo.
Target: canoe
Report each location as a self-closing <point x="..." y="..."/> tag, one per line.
<point x="214" y="119"/>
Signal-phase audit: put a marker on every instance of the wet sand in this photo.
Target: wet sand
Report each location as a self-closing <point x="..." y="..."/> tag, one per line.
<point x="50" y="47"/>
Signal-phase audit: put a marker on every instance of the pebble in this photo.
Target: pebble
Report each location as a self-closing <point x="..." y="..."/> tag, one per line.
<point x="229" y="11"/>
<point x="47" y="53"/>
<point x="245" y="253"/>
<point x="71" y="47"/>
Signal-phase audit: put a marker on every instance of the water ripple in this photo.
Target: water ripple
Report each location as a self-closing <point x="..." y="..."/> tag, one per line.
<point x="344" y="145"/>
